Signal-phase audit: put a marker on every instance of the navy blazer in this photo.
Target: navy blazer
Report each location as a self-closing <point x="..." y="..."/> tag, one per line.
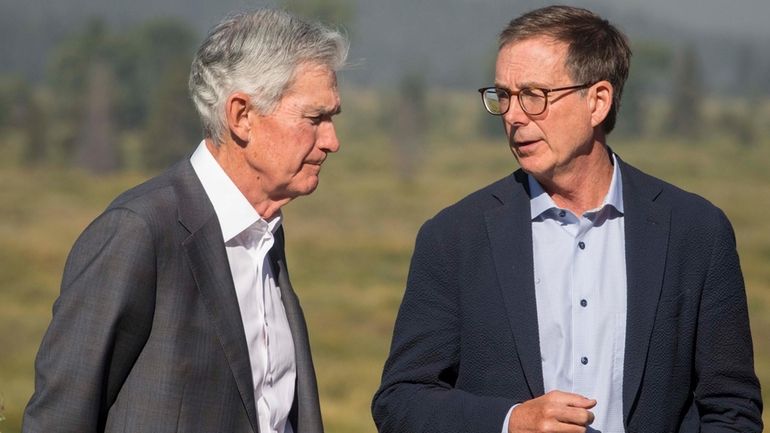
<point x="466" y="346"/>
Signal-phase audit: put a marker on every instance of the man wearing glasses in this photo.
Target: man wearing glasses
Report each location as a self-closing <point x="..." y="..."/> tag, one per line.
<point x="578" y="294"/>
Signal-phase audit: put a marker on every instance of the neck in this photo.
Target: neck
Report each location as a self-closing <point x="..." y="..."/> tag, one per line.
<point x="585" y="184"/>
<point x="229" y="157"/>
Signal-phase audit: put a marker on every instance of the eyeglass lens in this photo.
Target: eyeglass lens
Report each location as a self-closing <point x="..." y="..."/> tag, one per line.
<point x="497" y="101"/>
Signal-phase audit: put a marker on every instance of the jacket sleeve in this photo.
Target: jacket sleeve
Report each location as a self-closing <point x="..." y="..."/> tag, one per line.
<point x="418" y="393"/>
<point x="100" y="324"/>
<point x="727" y="392"/>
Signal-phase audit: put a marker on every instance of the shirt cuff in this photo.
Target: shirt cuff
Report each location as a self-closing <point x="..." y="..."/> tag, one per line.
<point x="507" y="418"/>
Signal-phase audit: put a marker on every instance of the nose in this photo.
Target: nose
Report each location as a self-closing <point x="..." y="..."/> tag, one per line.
<point x="515" y="116"/>
<point x="327" y="137"/>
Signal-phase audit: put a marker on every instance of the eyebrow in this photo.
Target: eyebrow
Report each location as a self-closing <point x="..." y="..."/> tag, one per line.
<point x="526" y="84"/>
<point x="333" y="112"/>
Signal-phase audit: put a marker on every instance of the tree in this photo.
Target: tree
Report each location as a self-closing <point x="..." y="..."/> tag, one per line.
<point x="35" y="129"/>
<point x="650" y="65"/>
<point x="143" y="58"/>
<point x="410" y="120"/>
<point x="77" y="61"/>
<point x="687" y="95"/>
<point x="129" y="75"/>
<point x="332" y="12"/>
<point x="96" y="144"/>
<point x="21" y="110"/>
<point x="157" y="101"/>
<point x="742" y="123"/>
<point x="489" y="126"/>
<point x="173" y="127"/>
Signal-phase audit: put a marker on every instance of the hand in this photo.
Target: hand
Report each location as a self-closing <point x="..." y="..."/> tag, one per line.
<point x="556" y="411"/>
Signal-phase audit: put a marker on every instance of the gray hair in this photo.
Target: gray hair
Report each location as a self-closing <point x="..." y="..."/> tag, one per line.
<point x="257" y="53"/>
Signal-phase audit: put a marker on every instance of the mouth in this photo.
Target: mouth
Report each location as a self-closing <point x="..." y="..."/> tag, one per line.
<point x="523" y="143"/>
<point x="313" y="167"/>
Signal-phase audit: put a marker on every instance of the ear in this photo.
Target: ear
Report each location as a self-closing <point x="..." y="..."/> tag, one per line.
<point x="237" y="109"/>
<point x="600" y="101"/>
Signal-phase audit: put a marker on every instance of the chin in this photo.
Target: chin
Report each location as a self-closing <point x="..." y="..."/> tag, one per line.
<point x="306" y="187"/>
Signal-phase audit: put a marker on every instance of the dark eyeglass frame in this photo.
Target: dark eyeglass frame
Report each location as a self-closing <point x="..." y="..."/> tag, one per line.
<point x="545" y="91"/>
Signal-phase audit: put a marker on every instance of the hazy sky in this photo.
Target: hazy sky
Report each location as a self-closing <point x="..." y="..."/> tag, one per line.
<point x="743" y="17"/>
<point x="393" y="35"/>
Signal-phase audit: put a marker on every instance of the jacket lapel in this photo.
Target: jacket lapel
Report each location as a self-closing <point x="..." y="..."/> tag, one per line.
<point x="306" y="412"/>
<point x="510" y="234"/>
<point x="210" y="268"/>
<point x="647" y="226"/>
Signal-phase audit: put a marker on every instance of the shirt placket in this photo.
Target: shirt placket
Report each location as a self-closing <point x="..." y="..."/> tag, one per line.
<point x="583" y="360"/>
<point x="265" y="244"/>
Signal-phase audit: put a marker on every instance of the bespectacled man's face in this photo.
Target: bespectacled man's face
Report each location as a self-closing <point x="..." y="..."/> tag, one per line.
<point x="288" y="146"/>
<point x="548" y="144"/>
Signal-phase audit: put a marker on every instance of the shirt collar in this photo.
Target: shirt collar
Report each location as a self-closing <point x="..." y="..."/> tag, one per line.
<point x="542" y="202"/>
<point x="233" y="210"/>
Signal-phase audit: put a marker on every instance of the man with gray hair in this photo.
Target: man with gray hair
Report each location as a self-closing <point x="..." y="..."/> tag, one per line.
<point x="176" y="313"/>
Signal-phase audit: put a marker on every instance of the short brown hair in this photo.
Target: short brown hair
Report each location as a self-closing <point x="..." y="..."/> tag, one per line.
<point x="597" y="50"/>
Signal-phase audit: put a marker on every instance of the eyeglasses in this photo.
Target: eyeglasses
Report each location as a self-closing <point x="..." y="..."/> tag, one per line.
<point x="533" y="100"/>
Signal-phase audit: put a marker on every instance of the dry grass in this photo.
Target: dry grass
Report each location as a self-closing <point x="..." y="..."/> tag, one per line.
<point x="348" y="247"/>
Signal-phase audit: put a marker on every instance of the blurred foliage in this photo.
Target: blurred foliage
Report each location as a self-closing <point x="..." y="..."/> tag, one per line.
<point x="349" y="243"/>
<point x="95" y="143"/>
<point x="105" y="87"/>
<point x="13" y="93"/>
<point x="489" y="125"/>
<point x="338" y="13"/>
<point x="172" y="128"/>
<point x="407" y="118"/>
<point x="650" y="69"/>
<point x="140" y="116"/>
<point x="687" y="95"/>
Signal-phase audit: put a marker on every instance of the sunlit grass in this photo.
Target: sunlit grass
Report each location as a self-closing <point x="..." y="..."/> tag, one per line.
<point x="349" y="246"/>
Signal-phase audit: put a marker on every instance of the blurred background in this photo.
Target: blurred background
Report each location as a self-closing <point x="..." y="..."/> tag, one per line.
<point x="93" y="100"/>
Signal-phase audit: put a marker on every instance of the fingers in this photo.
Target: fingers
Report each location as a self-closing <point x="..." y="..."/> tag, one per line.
<point x="556" y="411"/>
<point x="576" y="416"/>
<point x="574" y="410"/>
<point x="570" y="399"/>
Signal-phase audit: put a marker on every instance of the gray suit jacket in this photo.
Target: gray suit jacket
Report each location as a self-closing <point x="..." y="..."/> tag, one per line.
<point x="147" y="335"/>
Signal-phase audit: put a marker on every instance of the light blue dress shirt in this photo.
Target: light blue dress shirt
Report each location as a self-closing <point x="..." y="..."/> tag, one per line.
<point x="580" y="287"/>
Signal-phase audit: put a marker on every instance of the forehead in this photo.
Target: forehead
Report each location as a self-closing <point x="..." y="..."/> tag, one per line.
<point x="313" y="84"/>
<point x="538" y="60"/>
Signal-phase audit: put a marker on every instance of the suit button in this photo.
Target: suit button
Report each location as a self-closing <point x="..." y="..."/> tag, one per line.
<point x="584" y="360"/>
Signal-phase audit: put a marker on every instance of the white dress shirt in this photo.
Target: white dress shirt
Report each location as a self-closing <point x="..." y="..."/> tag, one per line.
<point x="248" y="239"/>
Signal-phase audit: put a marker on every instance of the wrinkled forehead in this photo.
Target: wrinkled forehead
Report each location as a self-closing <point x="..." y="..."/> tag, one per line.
<point x="313" y="87"/>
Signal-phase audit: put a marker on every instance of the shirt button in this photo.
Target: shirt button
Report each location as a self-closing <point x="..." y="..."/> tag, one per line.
<point x="582" y="245"/>
<point x="584" y="360"/>
<point x="583" y="303"/>
<point x="562" y="214"/>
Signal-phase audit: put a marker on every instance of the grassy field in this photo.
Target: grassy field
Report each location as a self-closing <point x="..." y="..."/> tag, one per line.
<point x="349" y="246"/>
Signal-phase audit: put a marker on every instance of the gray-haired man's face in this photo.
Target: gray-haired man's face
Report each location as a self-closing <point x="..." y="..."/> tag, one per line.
<point x="287" y="147"/>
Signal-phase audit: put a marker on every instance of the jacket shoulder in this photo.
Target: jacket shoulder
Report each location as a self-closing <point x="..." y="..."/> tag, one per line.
<point x="156" y="196"/>
<point x="469" y="212"/>
<point x="665" y="193"/>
